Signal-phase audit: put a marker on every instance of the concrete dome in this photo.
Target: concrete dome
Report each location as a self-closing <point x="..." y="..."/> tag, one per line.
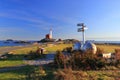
<point x="89" y="46"/>
<point x="77" y="46"/>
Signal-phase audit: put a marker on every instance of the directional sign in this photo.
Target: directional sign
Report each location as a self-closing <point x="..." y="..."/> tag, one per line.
<point x="80" y="29"/>
<point x="80" y="24"/>
<point x="85" y="28"/>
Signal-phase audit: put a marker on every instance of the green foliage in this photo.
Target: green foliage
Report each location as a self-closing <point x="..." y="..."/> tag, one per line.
<point x="65" y="74"/>
<point x="67" y="49"/>
<point x="117" y="54"/>
<point x="99" y="52"/>
<point x="69" y="74"/>
<point x="87" y="61"/>
<point x="80" y="60"/>
<point x="18" y="74"/>
<point x="59" y="59"/>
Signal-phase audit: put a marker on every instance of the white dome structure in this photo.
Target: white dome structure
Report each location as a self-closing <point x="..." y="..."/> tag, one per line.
<point x="89" y="46"/>
<point x="77" y="46"/>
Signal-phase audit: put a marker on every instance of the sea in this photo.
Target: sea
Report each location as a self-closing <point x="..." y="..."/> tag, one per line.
<point x="107" y="42"/>
<point x="4" y="43"/>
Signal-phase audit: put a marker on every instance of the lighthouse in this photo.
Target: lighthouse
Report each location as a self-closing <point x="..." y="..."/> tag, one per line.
<point x="50" y="33"/>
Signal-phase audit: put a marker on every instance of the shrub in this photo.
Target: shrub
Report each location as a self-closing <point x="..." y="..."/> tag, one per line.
<point x="99" y="52"/>
<point x="75" y="60"/>
<point x="117" y="54"/>
<point x="87" y="61"/>
<point x="69" y="49"/>
<point x="80" y="75"/>
<point x="34" y="54"/>
<point x="59" y="59"/>
<point x="65" y="74"/>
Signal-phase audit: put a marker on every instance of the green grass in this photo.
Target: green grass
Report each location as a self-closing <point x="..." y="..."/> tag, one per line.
<point x="19" y="74"/>
<point x="22" y="74"/>
<point x="48" y="49"/>
<point x="103" y="75"/>
<point x="54" y="48"/>
<point x="24" y="50"/>
<point x="17" y="58"/>
<point x="81" y="75"/>
<point x="9" y="63"/>
<point x="12" y="60"/>
<point x="67" y="74"/>
<point x="109" y="48"/>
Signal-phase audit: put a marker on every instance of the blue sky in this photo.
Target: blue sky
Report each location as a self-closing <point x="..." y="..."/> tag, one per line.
<point x="32" y="19"/>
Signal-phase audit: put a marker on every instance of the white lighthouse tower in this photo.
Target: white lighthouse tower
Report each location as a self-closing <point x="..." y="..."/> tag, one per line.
<point x="50" y="33"/>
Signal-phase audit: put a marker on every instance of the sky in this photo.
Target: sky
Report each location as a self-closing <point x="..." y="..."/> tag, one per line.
<point x="32" y="19"/>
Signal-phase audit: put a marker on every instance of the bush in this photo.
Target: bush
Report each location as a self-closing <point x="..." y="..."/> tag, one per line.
<point x="84" y="60"/>
<point x="87" y="61"/>
<point x="117" y="54"/>
<point x="65" y="74"/>
<point x="67" y="49"/>
<point x="34" y="54"/>
<point x="99" y="52"/>
<point x="59" y="59"/>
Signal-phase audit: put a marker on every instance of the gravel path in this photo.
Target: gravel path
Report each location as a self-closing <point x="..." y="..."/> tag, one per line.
<point x="49" y="58"/>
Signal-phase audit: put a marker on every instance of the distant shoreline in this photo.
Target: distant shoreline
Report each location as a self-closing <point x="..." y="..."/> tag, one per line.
<point x="107" y="42"/>
<point x="12" y="43"/>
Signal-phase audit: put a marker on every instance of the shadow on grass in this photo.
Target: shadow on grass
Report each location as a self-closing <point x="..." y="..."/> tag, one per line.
<point x="17" y="57"/>
<point x="27" y="73"/>
<point x="12" y="57"/>
<point x="18" y="74"/>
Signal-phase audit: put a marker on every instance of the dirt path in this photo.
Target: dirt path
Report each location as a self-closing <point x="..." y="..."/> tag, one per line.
<point x="49" y="58"/>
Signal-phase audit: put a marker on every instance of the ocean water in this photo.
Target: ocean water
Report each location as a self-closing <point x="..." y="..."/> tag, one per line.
<point x="12" y="43"/>
<point x="109" y="42"/>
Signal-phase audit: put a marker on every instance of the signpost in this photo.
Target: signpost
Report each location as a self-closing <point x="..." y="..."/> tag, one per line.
<point x="82" y="29"/>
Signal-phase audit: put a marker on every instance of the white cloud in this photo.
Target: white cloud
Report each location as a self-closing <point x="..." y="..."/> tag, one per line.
<point x="22" y="15"/>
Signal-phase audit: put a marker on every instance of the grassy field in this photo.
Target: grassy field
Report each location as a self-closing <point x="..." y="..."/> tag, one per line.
<point x="21" y="73"/>
<point x="109" y="48"/>
<point x="20" y="52"/>
<point x="48" y="49"/>
<point x="8" y="63"/>
<point x="57" y="47"/>
<point x="67" y="74"/>
<point x="53" y="48"/>
<point x="17" y="58"/>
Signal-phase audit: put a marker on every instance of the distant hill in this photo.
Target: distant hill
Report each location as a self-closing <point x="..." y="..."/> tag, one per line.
<point x="46" y="40"/>
<point x="70" y="40"/>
